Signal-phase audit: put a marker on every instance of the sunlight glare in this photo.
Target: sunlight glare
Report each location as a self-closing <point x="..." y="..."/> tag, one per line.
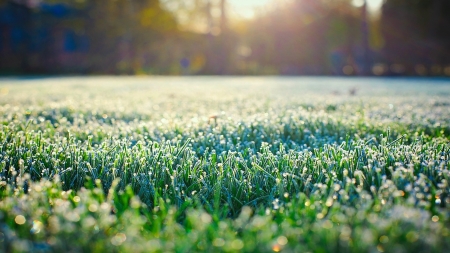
<point x="372" y="5"/>
<point x="247" y="8"/>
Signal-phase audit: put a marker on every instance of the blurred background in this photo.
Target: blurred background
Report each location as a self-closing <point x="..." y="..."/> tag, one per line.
<point x="225" y="37"/>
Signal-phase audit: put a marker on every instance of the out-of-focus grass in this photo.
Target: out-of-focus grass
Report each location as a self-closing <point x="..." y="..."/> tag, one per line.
<point x="206" y="164"/>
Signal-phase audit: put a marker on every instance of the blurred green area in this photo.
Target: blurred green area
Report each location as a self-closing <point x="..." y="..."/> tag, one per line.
<point x="174" y="37"/>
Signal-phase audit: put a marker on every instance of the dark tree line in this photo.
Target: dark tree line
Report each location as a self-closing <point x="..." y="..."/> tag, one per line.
<point x="313" y="37"/>
<point x="417" y="35"/>
<point x="408" y="37"/>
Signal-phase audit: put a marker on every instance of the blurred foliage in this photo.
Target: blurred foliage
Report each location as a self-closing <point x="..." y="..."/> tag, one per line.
<point x="327" y="37"/>
<point x="129" y="26"/>
<point x="417" y="32"/>
<point x="300" y="37"/>
<point x="199" y="37"/>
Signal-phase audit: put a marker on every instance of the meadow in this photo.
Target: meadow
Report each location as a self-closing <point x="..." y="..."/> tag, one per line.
<point x="206" y="164"/>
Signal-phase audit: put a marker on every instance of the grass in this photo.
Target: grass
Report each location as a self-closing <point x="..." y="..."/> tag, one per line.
<point x="231" y="165"/>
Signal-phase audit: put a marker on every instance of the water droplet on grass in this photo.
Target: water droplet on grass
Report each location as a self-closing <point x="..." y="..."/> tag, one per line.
<point x="20" y="219"/>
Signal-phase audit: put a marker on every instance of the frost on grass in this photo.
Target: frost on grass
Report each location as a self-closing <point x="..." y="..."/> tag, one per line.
<point x="138" y="165"/>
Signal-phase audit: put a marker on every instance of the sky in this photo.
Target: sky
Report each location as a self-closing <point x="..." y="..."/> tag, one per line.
<point x="372" y="5"/>
<point x="247" y="8"/>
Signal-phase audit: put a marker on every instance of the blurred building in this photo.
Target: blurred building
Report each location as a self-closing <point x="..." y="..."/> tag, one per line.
<point x="41" y="38"/>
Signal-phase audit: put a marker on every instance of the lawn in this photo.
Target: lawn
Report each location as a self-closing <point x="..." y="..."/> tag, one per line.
<point x="206" y="164"/>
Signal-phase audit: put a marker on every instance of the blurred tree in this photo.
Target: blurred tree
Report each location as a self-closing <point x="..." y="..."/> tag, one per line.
<point x="117" y="36"/>
<point x="417" y="34"/>
<point x="305" y="37"/>
<point x="196" y="36"/>
<point x="125" y="31"/>
<point x="209" y="18"/>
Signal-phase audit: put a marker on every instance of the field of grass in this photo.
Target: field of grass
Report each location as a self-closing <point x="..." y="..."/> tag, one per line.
<point x="224" y="165"/>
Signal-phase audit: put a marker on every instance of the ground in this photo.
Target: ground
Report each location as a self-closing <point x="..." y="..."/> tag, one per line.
<point x="233" y="164"/>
